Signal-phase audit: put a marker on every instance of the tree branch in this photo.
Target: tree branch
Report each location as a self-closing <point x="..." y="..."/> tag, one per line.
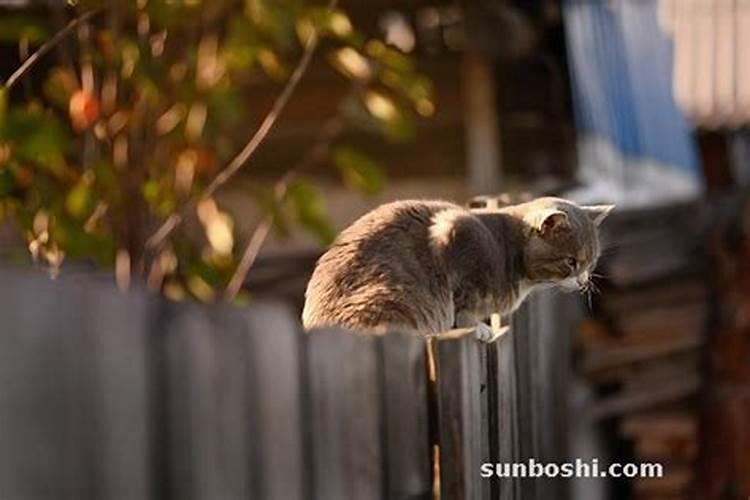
<point x="47" y="46"/>
<point x="317" y="152"/>
<point x="238" y="161"/>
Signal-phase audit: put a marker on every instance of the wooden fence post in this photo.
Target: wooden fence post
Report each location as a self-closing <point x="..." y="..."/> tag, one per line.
<point x="116" y="326"/>
<point x="407" y="448"/>
<point x="345" y="414"/>
<point x="277" y="451"/>
<point x="207" y="406"/>
<point x="73" y="389"/>
<point x="104" y="395"/>
<point x="541" y="329"/>
<point x="42" y="440"/>
<point x="462" y="416"/>
<point x="503" y="411"/>
<point x="524" y="338"/>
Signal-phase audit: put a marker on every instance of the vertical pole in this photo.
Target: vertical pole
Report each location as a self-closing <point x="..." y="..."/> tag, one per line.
<point x="481" y="125"/>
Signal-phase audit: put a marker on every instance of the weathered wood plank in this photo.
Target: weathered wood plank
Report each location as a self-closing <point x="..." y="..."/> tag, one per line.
<point x="523" y="339"/>
<point x="541" y="338"/>
<point x="345" y="416"/>
<point x="554" y="316"/>
<point x="407" y="449"/>
<point x="128" y="399"/>
<point x="277" y="452"/>
<point x="461" y="380"/>
<point x="501" y="380"/>
<point x="207" y="411"/>
<point x="45" y="422"/>
<point x="116" y="326"/>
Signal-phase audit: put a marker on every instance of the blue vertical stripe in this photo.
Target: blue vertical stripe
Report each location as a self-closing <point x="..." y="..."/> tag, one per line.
<point x="621" y="70"/>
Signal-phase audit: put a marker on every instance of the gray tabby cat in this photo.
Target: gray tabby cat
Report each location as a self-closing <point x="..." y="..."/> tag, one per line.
<point x="429" y="266"/>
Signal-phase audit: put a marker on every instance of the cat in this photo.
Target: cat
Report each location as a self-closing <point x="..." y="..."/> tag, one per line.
<point x="430" y="266"/>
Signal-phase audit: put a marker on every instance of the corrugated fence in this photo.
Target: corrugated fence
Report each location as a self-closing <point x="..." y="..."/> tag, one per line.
<point x="112" y="396"/>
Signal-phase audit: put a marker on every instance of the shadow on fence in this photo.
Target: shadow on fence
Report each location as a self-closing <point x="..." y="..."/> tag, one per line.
<point x="111" y="396"/>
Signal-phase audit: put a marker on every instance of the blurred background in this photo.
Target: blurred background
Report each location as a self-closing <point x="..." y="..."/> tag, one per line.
<point x="210" y="150"/>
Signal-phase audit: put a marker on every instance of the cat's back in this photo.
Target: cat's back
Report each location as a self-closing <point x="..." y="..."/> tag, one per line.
<point x="394" y="217"/>
<point x="373" y="264"/>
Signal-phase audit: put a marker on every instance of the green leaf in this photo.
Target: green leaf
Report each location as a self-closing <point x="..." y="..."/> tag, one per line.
<point x="358" y="170"/>
<point x="308" y="206"/>
<point x="78" y="244"/>
<point x="14" y="28"/>
<point x="275" y="19"/>
<point x="80" y="201"/>
<point x="330" y="22"/>
<point x="389" y="57"/>
<point x="380" y="112"/>
<point x="150" y="191"/>
<point x="416" y="88"/>
<point x="38" y="136"/>
<point x="59" y="86"/>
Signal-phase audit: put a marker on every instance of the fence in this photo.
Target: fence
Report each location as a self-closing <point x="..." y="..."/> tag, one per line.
<point x="111" y="396"/>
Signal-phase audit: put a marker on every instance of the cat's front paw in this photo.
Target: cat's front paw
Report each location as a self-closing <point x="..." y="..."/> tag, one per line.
<point x="485" y="333"/>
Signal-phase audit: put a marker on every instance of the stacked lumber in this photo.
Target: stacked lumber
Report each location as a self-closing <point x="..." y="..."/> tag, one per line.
<point x="642" y="346"/>
<point x="725" y="450"/>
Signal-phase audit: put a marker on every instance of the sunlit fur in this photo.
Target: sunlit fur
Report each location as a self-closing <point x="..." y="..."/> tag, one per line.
<point x="428" y="266"/>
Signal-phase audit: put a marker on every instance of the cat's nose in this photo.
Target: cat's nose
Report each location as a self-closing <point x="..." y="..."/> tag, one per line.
<point x="584" y="278"/>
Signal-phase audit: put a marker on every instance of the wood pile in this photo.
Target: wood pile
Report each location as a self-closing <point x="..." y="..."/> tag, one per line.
<point x="726" y="440"/>
<point x="642" y="345"/>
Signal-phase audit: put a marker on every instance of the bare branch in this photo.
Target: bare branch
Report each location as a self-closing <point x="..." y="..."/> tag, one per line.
<point x="316" y="153"/>
<point x="49" y="45"/>
<point x="238" y="161"/>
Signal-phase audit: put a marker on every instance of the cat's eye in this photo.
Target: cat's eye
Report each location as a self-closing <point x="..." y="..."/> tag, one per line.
<point x="572" y="262"/>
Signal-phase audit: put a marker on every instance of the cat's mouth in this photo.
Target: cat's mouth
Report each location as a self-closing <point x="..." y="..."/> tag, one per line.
<point x="569" y="285"/>
<point x="580" y="283"/>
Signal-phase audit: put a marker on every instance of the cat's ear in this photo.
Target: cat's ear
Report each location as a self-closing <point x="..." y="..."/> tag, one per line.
<point x="553" y="220"/>
<point x="597" y="213"/>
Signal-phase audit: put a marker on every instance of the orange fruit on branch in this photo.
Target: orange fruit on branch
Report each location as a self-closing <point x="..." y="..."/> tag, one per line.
<point x="83" y="109"/>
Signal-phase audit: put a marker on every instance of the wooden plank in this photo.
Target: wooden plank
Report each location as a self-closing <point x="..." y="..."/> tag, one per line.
<point x="345" y="416"/>
<point x="690" y="315"/>
<point x="665" y="450"/>
<point x="677" y="480"/>
<point x="45" y="423"/>
<point x="542" y="338"/>
<point x="654" y="370"/>
<point x="557" y="316"/>
<point x="641" y="399"/>
<point x="503" y="432"/>
<point x="277" y="449"/>
<point x="207" y="411"/>
<point x="612" y="357"/>
<point x="407" y="448"/>
<point x="660" y="425"/>
<point x="233" y="403"/>
<point x="116" y="326"/>
<point x="523" y="337"/>
<point x="461" y="380"/>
